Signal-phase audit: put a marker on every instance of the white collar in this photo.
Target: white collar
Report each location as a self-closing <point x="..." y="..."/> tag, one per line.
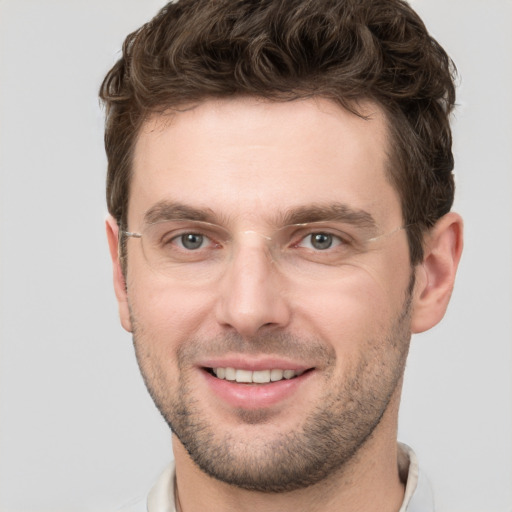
<point x="418" y="492"/>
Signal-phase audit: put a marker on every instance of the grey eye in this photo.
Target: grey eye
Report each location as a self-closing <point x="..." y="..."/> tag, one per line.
<point x="192" y="241"/>
<point x="321" y="241"/>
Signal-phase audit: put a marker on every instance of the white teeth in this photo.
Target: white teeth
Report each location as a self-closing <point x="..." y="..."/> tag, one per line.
<point x="257" y="377"/>
<point x="243" y="376"/>
<point x="276" y="375"/>
<point x="261" y="377"/>
<point x="230" y="374"/>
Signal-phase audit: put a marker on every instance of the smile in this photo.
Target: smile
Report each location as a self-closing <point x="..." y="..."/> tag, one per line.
<point x="255" y="385"/>
<point x="255" y="377"/>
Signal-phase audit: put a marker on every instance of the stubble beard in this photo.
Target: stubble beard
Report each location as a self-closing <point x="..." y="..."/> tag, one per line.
<point x="327" y="439"/>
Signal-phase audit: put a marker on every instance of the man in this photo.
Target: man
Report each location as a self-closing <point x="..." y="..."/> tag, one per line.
<point x="280" y="184"/>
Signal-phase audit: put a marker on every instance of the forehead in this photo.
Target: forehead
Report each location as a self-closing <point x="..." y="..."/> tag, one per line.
<point x="252" y="158"/>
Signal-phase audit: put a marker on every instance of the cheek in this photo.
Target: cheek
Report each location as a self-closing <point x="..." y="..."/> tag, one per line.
<point x="164" y="312"/>
<point x="342" y="316"/>
<point x="168" y="313"/>
<point x="356" y="311"/>
<point x="164" y="319"/>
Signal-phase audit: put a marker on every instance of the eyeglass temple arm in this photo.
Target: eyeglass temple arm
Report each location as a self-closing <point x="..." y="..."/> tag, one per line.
<point x="133" y="235"/>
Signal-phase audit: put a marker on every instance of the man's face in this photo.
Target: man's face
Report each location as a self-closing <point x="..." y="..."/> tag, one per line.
<point x="341" y="326"/>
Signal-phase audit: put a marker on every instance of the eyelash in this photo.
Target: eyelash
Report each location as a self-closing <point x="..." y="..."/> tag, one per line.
<point x="300" y="238"/>
<point x="176" y="238"/>
<point x="336" y="240"/>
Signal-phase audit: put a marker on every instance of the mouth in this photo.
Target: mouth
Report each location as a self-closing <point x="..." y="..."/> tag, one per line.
<point x="255" y="385"/>
<point x="267" y="376"/>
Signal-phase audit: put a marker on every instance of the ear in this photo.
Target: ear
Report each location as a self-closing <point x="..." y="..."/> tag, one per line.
<point x="435" y="276"/>
<point x="119" y="280"/>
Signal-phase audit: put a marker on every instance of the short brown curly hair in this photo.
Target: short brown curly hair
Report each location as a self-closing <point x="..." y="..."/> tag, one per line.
<point x="343" y="50"/>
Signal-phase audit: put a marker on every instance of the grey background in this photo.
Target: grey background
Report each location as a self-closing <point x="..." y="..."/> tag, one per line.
<point x="77" y="429"/>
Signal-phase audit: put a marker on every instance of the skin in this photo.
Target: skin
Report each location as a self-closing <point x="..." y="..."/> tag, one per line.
<point x="248" y="162"/>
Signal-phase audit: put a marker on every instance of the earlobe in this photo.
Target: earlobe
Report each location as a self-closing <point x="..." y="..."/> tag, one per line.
<point x="435" y="276"/>
<point x="119" y="280"/>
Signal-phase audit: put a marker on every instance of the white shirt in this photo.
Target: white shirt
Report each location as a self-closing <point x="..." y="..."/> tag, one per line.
<point x="418" y="494"/>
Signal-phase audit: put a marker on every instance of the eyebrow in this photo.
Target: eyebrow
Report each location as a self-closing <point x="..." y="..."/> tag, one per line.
<point x="170" y="210"/>
<point x="337" y="212"/>
<point x="333" y="212"/>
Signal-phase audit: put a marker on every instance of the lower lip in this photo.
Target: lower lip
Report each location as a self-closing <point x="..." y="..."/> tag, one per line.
<point x="255" y="396"/>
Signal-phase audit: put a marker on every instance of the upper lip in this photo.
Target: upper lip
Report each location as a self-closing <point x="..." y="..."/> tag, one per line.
<point x="243" y="362"/>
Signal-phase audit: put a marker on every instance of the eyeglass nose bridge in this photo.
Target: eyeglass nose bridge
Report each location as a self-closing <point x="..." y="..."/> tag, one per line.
<point x="253" y="232"/>
<point x="270" y="244"/>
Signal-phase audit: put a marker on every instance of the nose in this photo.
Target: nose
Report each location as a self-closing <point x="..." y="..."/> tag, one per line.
<point x="252" y="296"/>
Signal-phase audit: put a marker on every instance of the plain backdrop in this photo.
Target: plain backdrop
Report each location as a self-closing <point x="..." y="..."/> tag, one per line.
<point x="78" y="431"/>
